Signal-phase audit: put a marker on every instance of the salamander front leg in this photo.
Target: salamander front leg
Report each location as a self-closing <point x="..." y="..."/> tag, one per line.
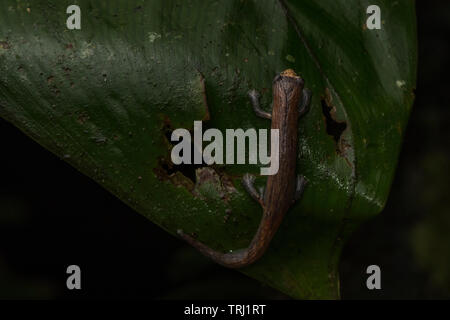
<point x="305" y="102"/>
<point x="254" y="98"/>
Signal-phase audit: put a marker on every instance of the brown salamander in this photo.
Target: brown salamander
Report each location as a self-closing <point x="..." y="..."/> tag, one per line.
<point x="290" y="101"/>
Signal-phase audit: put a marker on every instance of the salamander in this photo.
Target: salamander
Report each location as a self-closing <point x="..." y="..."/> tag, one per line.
<point x="290" y="101"/>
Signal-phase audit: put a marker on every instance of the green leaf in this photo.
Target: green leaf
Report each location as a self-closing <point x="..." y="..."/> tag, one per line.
<point x="105" y="98"/>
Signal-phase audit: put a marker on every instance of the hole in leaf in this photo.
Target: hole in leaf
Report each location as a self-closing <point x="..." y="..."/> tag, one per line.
<point x="334" y="128"/>
<point x="188" y="170"/>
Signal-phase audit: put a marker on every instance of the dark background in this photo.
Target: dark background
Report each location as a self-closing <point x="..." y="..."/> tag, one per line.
<point x="51" y="216"/>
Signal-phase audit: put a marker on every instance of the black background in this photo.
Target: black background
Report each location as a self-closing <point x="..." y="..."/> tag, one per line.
<point x="51" y="216"/>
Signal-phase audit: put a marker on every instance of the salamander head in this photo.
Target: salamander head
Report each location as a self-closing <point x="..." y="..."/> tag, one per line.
<point x="289" y="73"/>
<point x="288" y="80"/>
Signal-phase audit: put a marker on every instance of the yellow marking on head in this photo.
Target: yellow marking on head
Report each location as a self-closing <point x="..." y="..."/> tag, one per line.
<point x="289" y="73"/>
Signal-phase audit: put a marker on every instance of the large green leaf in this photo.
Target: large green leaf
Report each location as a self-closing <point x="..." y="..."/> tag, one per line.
<point x="105" y="98"/>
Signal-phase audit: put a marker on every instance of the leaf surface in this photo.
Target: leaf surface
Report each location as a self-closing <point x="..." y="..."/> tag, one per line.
<point x="106" y="98"/>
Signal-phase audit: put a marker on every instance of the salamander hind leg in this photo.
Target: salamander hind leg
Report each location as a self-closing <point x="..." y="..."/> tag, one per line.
<point x="301" y="183"/>
<point x="248" y="182"/>
<point x="254" y="98"/>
